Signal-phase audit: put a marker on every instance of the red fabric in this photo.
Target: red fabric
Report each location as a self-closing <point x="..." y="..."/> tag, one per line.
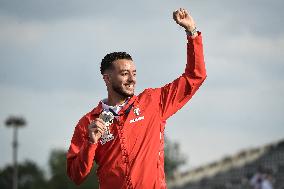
<point x="135" y="157"/>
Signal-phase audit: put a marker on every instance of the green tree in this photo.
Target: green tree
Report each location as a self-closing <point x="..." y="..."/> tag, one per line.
<point x="173" y="158"/>
<point x="30" y="176"/>
<point x="59" y="178"/>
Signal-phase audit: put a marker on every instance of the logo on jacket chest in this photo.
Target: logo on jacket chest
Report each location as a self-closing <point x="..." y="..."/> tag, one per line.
<point x="137" y="113"/>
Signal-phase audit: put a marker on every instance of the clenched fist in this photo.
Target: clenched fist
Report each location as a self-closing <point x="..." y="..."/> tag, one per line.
<point x="183" y="18"/>
<point x="96" y="129"/>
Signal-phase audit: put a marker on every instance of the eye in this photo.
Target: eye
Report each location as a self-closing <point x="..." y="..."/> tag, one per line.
<point x="124" y="73"/>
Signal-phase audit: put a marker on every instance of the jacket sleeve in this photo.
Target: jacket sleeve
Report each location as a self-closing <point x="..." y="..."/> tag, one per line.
<point x="81" y="153"/>
<point x="176" y="94"/>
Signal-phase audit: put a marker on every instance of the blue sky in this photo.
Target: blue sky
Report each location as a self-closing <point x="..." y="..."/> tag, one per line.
<point x="50" y="53"/>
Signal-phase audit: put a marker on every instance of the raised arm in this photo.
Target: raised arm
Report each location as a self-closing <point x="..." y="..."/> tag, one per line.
<point x="176" y="94"/>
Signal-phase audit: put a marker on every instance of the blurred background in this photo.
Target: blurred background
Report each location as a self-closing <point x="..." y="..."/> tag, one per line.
<point x="50" y="52"/>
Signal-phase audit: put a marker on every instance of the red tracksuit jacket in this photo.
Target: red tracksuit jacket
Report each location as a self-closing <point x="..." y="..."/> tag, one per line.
<point x="134" y="158"/>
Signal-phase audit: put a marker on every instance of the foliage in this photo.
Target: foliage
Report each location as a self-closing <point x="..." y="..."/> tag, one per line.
<point x="30" y="176"/>
<point x="59" y="178"/>
<point x="173" y="158"/>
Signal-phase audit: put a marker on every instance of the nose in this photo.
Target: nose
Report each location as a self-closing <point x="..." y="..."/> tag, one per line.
<point x="132" y="77"/>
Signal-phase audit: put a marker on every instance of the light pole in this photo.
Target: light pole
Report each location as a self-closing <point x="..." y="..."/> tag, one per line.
<point x="15" y="123"/>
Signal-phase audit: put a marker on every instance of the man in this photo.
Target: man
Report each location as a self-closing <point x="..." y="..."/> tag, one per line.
<point x="124" y="134"/>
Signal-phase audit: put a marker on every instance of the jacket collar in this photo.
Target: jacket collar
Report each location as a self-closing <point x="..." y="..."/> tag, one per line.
<point x="132" y="101"/>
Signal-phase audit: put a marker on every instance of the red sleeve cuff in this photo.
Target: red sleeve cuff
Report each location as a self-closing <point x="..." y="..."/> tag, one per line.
<point x="88" y="151"/>
<point x="194" y="39"/>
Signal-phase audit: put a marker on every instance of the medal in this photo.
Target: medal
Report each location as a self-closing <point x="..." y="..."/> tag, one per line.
<point x="107" y="117"/>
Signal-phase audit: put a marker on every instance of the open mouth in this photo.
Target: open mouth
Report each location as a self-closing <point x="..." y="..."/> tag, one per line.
<point x="129" y="86"/>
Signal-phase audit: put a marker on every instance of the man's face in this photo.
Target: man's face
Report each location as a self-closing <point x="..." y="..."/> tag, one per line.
<point x="122" y="78"/>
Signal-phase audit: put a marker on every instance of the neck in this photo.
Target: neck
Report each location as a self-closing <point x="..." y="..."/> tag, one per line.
<point x="114" y="100"/>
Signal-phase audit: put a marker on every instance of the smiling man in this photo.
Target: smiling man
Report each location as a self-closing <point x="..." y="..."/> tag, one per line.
<point x="124" y="134"/>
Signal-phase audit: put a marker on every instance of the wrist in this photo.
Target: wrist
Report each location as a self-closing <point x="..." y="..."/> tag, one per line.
<point x="190" y="27"/>
<point x="92" y="138"/>
<point x="93" y="141"/>
<point x="191" y="31"/>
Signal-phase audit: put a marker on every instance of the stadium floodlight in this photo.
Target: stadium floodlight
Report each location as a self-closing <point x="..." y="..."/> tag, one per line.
<point x="15" y="123"/>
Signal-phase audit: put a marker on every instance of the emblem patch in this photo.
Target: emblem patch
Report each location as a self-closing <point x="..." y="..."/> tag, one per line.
<point x="137" y="111"/>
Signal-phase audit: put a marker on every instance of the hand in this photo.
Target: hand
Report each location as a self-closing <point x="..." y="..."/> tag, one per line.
<point x="182" y="18"/>
<point x="96" y="129"/>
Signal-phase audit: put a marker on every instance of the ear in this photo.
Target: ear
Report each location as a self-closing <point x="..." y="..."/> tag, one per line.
<point x="107" y="79"/>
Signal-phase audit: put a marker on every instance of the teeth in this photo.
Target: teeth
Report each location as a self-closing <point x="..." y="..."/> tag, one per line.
<point x="129" y="86"/>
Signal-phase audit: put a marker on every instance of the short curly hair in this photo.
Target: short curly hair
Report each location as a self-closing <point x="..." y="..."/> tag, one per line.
<point x="107" y="61"/>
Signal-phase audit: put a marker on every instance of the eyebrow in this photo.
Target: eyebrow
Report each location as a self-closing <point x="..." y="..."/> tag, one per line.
<point x="126" y="70"/>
